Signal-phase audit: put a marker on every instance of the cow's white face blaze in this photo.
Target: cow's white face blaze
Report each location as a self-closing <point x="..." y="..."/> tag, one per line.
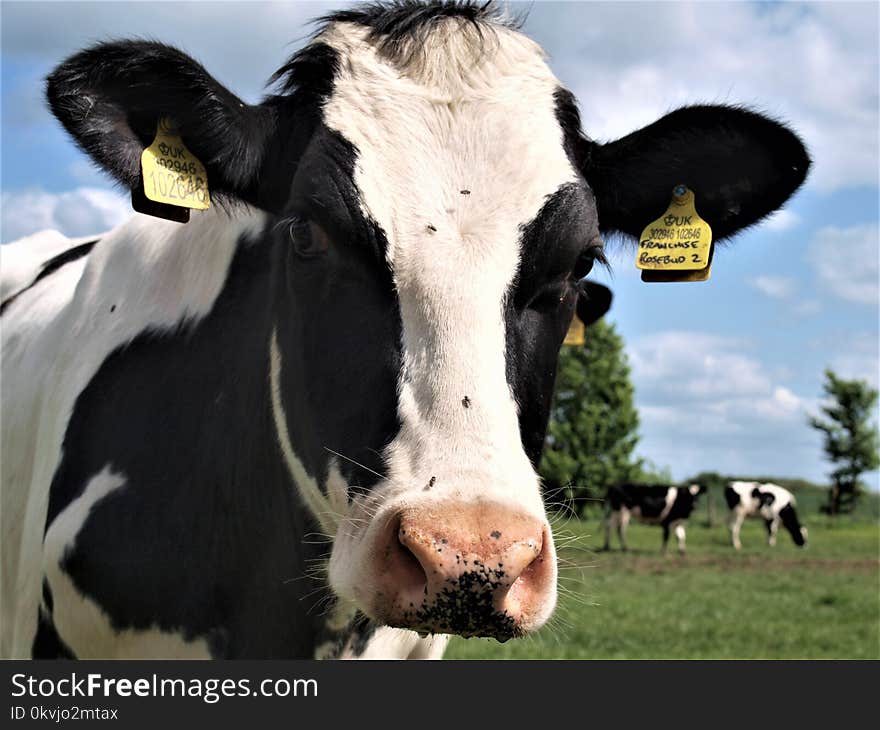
<point x="452" y="166"/>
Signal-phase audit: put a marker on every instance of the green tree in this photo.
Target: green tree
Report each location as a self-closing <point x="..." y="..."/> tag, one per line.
<point x="850" y="438"/>
<point x="593" y="421"/>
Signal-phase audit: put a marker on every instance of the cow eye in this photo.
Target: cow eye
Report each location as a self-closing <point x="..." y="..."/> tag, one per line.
<point x="589" y="256"/>
<point x="308" y="238"/>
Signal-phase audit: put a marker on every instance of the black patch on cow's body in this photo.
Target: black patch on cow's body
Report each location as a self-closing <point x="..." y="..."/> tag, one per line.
<point x="47" y="644"/>
<point x="205" y="538"/>
<point x="731" y="496"/>
<point x="338" y="321"/>
<point x="649" y="498"/>
<point x="51" y="266"/>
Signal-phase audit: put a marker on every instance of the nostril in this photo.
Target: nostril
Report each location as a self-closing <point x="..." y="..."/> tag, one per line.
<point x="410" y="562"/>
<point x="529" y="585"/>
<point x="404" y="565"/>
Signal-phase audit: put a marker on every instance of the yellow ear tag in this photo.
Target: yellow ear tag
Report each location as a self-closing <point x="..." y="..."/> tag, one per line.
<point x="575" y="334"/>
<point x="171" y="173"/>
<point x="678" y="245"/>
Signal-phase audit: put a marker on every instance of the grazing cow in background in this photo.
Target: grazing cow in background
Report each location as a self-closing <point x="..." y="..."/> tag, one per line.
<point x="362" y="343"/>
<point x="772" y="503"/>
<point x="661" y="505"/>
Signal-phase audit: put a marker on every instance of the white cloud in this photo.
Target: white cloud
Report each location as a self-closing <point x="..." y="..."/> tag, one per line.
<point x="846" y="261"/>
<point x="708" y="402"/>
<point x="781" y="405"/>
<point x="807" y="308"/>
<point x="814" y="65"/>
<point x="776" y="287"/>
<point x="782" y="220"/>
<point x="79" y="212"/>
<point x="685" y="366"/>
<point x="859" y="359"/>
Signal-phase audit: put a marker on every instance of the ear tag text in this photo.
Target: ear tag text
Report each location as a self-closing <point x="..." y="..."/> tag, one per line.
<point x="171" y="174"/>
<point x="678" y="245"/>
<point x="575" y="334"/>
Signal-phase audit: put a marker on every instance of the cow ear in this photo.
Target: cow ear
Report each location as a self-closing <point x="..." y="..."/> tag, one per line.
<point x="740" y="165"/>
<point x="594" y="300"/>
<point x="111" y="96"/>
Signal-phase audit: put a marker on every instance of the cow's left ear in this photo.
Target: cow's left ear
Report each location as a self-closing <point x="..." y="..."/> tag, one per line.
<point x="740" y="165"/>
<point x="594" y="300"/>
<point x="111" y="96"/>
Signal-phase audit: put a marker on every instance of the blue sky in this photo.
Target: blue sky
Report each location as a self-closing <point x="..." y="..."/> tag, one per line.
<point x="747" y="349"/>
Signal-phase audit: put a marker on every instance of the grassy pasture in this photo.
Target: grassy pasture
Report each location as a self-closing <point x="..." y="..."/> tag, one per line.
<point x="768" y="603"/>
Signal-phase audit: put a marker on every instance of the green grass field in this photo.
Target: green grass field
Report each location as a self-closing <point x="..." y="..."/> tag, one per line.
<point x="768" y="603"/>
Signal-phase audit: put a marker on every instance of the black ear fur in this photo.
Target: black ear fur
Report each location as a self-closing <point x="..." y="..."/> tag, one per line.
<point x="740" y="165"/>
<point x="110" y="97"/>
<point x="594" y="300"/>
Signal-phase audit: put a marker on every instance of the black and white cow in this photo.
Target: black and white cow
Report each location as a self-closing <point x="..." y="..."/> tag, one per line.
<point x="651" y="504"/>
<point x="315" y="413"/>
<point x="770" y="502"/>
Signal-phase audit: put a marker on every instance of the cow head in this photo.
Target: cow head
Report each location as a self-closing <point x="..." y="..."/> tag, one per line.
<point x="434" y="207"/>
<point x="697" y="489"/>
<point x="790" y="521"/>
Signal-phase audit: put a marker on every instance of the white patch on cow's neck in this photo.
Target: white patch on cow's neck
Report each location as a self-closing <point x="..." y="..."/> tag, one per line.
<point x="486" y="125"/>
<point x="80" y="622"/>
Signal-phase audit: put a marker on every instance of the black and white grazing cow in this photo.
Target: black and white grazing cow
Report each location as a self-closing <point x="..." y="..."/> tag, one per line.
<point x="772" y="503"/>
<point x="314" y="414"/>
<point x="661" y="505"/>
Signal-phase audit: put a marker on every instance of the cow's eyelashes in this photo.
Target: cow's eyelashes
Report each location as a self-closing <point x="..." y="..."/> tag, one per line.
<point x="309" y="240"/>
<point x="595" y="253"/>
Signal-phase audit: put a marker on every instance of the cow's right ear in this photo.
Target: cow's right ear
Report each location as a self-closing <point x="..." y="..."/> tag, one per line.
<point x="111" y="96"/>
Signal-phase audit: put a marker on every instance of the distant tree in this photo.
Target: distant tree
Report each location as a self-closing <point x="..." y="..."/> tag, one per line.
<point x="850" y="438"/>
<point x="594" y="422"/>
<point x="712" y="480"/>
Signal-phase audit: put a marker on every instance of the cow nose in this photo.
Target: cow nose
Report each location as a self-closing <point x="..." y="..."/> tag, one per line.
<point x="480" y="569"/>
